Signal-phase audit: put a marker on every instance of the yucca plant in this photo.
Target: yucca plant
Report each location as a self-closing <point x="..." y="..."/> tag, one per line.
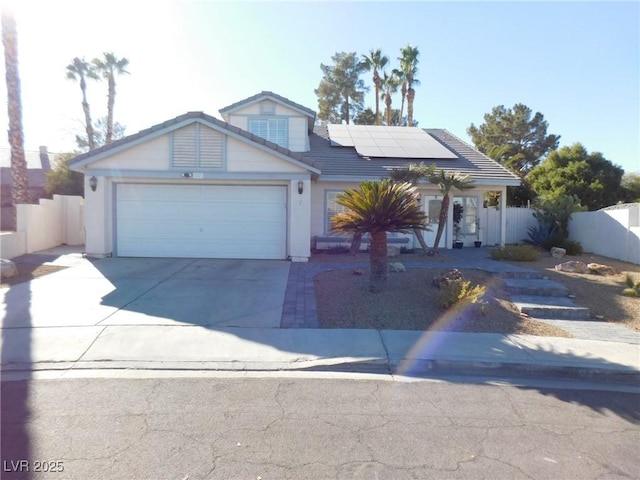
<point x="544" y="235"/>
<point x="378" y="207"/>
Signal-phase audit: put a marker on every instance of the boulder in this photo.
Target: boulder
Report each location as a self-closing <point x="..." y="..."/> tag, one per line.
<point x="397" y="267"/>
<point x="557" y="252"/>
<point x="8" y="269"/>
<point x="599" y="269"/>
<point x="572" y="266"/>
<point x="393" y="251"/>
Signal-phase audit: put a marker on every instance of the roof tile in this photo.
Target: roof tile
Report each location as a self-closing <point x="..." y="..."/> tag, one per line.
<point x="345" y="162"/>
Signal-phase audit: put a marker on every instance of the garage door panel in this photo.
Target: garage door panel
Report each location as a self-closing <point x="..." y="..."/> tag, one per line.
<point x="201" y="221"/>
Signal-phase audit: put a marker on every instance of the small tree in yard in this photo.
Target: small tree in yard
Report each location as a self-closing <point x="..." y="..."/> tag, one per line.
<point x="413" y="174"/>
<point x="556" y="211"/>
<point x="376" y="208"/>
<point x="62" y="180"/>
<point x="447" y="182"/>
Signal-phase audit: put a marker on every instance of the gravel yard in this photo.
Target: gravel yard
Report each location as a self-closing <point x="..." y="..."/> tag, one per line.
<point x="344" y="301"/>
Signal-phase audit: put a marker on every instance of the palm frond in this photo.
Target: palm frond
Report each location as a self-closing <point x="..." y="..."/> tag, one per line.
<point x="379" y="206"/>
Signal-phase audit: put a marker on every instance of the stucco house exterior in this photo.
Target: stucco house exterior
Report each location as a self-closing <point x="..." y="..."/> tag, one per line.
<point x="261" y="183"/>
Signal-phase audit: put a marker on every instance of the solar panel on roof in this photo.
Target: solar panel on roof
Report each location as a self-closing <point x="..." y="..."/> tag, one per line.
<point x="389" y="142"/>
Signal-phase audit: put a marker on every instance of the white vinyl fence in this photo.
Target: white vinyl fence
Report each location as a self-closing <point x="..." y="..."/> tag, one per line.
<point x="612" y="232"/>
<point x="45" y="225"/>
<point x="518" y="221"/>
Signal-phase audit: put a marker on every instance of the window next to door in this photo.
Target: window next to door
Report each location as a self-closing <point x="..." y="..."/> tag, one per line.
<point x="332" y="208"/>
<point x="469" y="214"/>
<point x="273" y="129"/>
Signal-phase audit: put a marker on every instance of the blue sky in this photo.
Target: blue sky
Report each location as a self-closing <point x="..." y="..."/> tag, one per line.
<point x="577" y="63"/>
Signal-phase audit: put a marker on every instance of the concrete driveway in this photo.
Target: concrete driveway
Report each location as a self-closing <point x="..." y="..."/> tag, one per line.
<point x="152" y="291"/>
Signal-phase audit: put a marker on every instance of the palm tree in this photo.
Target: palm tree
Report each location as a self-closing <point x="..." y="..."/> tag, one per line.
<point x="409" y="66"/>
<point x="413" y="174"/>
<point x="402" y="82"/>
<point x="109" y="67"/>
<point x="390" y="84"/>
<point x="79" y="70"/>
<point x="20" y="190"/>
<point x="447" y="182"/>
<point x="376" y="61"/>
<point x="378" y="207"/>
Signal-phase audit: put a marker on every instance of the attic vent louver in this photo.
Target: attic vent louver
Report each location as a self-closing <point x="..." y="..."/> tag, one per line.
<point x="197" y="145"/>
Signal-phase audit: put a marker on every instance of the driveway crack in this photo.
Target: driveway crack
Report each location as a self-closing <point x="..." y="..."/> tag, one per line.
<point x="386" y="352"/>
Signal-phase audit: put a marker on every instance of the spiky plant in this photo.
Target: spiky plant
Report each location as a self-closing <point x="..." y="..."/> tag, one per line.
<point x="378" y="207"/>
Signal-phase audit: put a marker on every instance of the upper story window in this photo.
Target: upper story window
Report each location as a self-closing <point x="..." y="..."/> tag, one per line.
<point x="272" y="129"/>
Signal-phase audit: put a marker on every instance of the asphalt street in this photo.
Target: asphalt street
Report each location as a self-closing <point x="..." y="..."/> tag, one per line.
<point x="267" y="427"/>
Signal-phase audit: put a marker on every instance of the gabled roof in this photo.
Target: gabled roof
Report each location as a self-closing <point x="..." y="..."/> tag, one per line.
<point x="178" y="122"/>
<point x="345" y="164"/>
<point x="265" y="95"/>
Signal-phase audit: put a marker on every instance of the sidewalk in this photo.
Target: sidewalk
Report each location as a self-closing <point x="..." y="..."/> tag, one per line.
<point x="113" y="348"/>
<point x="393" y="352"/>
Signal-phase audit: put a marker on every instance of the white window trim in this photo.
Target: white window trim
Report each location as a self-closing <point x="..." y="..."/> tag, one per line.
<point x="268" y="119"/>
<point x="338" y="209"/>
<point x="471" y="226"/>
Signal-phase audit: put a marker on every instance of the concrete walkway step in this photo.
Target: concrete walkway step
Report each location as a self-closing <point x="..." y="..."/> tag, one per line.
<point x="549" y="307"/>
<point x="603" y="331"/>
<point x="521" y="274"/>
<point x="537" y="286"/>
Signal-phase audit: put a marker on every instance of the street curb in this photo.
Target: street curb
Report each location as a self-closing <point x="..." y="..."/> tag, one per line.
<point x="418" y="368"/>
<point x="449" y="367"/>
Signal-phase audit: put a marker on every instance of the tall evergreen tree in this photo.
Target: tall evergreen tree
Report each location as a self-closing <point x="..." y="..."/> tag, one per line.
<point x="593" y="179"/>
<point x="100" y="134"/>
<point x="516" y="139"/>
<point x="20" y="191"/>
<point x="341" y="90"/>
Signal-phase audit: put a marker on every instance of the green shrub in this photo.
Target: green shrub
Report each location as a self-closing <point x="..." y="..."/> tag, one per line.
<point x="457" y="291"/>
<point x="572" y="247"/>
<point x="633" y="287"/>
<point x="516" y="253"/>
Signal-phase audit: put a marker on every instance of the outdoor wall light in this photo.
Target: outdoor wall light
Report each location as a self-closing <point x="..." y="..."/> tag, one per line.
<point x="300" y="187"/>
<point x="93" y="183"/>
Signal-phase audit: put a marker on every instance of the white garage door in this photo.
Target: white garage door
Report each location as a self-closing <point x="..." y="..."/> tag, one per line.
<point x="208" y="221"/>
